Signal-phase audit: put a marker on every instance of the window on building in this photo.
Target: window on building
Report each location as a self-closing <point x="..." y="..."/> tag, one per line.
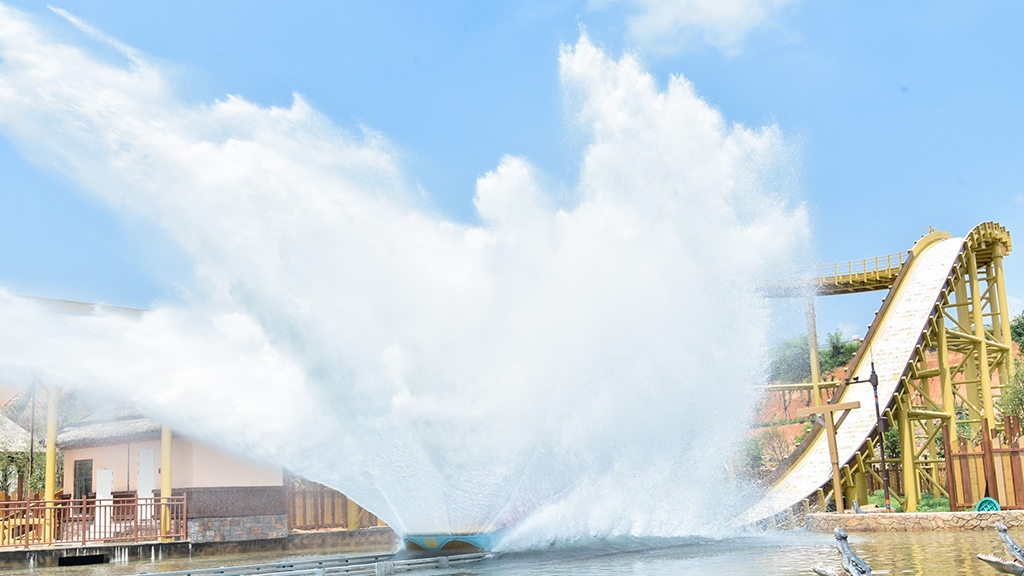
<point x="83" y="478"/>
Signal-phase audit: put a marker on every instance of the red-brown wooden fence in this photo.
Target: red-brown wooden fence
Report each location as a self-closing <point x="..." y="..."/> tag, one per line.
<point x="25" y="523"/>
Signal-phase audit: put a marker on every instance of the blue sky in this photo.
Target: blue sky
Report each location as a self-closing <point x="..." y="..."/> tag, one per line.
<point x="904" y="115"/>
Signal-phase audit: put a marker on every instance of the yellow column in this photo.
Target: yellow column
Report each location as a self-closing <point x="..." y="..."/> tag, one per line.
<point x="948" y="402"/>
<point x="50" y="484"/>
<point x="970" y="361"/>
<point x="860" y="482"/>
<point x="907" y="450"/>
<point x="860" y="478"/>
<point x="996" y="307"/>
<point x="165" y="481"/>
<point x="1004" y="312"/>
<point x="979" y="332"/>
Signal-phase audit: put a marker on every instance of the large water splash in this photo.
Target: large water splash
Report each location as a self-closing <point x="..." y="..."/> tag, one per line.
<point x="575" y="370"/>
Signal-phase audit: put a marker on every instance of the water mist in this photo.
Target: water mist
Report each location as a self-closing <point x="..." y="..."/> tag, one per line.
<point x="573" y="372"/>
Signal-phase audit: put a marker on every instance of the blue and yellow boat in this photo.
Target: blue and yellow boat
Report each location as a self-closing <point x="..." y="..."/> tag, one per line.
<point x="453" y="543"/>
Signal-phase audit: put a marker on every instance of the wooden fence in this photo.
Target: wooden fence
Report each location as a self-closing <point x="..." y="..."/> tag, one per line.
<point x="25" y="523"/>
<point x="990" y="468"/>
<point x="313" y="506"/>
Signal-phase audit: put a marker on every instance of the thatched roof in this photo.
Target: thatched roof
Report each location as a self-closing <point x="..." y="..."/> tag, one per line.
<point x="13" y="438"/>
<point x="115" y="426"/>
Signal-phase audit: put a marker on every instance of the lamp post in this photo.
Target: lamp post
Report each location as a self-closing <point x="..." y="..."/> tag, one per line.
<point x="882" y="428"/>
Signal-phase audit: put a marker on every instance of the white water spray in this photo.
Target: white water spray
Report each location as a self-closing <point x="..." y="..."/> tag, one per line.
<point x="575" y="371"/>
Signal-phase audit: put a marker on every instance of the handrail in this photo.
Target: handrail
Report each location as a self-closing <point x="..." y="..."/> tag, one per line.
<point x="338" y="565"/>
<point x="25" y="523"/>
<point x="888" y="263"/>
<point x="849" y="276"/>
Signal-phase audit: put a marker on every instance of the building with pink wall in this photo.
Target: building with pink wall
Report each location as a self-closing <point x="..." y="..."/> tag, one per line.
<point x="228" y="497"/>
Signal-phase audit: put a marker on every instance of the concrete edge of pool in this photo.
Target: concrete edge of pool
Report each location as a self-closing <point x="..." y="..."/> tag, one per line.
<point x="377" y="539"/>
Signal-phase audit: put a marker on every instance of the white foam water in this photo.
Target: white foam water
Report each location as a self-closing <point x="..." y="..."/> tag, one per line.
<point x="572" y="371"/>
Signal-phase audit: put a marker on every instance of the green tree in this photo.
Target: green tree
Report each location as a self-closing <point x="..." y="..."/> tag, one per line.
<point x="1017" y="329"/>
<point x="1011" y="400"/>
<point x="790" y="361"/>
<point x="753" y="455"/>
<point x="23" y="412"/>
<point x="836" y="352"/>
<point x="892" y="443"/>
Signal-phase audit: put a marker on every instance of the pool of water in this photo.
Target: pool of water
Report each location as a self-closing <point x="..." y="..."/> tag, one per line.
<point x="782" y="553"/>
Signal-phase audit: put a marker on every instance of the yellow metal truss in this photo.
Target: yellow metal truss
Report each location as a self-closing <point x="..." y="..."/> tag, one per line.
<point x="952" y="377"/>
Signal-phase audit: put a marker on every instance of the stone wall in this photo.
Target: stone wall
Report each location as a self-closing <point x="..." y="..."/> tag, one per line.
<point x="236" y="528"/>
<point x="365" y="541"/>
<point x="224" y="502"/>
<point x="914" y="522"/>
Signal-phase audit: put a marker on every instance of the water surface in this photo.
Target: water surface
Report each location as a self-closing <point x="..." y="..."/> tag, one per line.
<point x="781" y="553"/>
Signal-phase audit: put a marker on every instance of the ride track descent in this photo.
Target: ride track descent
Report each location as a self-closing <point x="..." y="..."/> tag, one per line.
<point x="940" y="345"/>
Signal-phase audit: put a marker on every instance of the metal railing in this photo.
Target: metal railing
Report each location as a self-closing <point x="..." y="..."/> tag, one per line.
<point x="849" y="276"/>
<point x="26" y="523"/>
<point x="375" y="564"/>
<point x="886" y="263"/>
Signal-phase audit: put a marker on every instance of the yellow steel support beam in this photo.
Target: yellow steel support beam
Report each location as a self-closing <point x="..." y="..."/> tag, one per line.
<point x="979" y="332"/>
<point x="917" y="414"/>
<point x="971" y="381"/>
<point x="945" y="380"/>
<point x="907" y="450"/>
<point x="1004" y="309"/>
<point x="860" y="479"/>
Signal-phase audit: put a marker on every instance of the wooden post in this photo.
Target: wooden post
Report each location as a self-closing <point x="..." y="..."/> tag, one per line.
<point x="1012" y="428"/>
<point x="135" y="516"/>
<point x="988" y="461"/>
<point x="826" y="412"/>
<point x="947" y="449"/>
<point x="84" y="516"/>
<point x="353" y="515"/>
<point x="965" y="473"/>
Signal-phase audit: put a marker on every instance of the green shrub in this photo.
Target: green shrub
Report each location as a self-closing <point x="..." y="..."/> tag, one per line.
<point x="926" y="503"/>
<point x="753" y="454"/>
<point x="803" y="434"/>
<point x="929" y="503"/>
<point x="878" y="499"/>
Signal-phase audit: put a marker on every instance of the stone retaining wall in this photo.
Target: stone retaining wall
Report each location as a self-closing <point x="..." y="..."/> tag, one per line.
<point x="238" y="528"/>
<point x="364" y="541"/>
<point x="914" y="522"/>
